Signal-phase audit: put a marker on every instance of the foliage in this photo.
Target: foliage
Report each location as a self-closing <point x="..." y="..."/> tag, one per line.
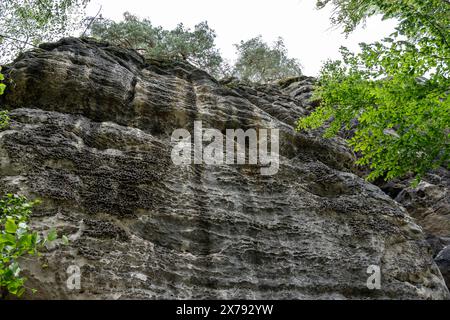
<point x="18" y="240"/>
<point x="196" y="46"/>
<point x="259" y="62"/>
<point x="26" y="23"/>
<point x="397" y="89"/>
<point x="424" y="16"/>
<point x="4" y="118"/>
<point x="2" y="85"/>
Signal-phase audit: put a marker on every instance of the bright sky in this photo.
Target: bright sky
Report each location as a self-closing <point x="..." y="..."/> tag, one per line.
<point x="307" y="32"/>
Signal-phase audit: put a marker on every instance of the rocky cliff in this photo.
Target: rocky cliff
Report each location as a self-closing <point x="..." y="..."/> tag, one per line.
<point x="91" y="136"/>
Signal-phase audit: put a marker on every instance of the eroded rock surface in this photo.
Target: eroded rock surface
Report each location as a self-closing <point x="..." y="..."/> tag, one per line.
<point x="90" y="136"/>
<point x="429" y="204"/>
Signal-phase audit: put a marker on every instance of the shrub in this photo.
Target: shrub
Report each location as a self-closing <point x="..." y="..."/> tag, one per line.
<point x="18" y="240"/>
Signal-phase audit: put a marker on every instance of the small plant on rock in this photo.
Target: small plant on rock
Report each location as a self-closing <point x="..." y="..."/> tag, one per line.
<point x="4" y="120"/>
<point x="17" y="240"/>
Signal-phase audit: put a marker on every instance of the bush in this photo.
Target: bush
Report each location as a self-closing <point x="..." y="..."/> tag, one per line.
<point x="18" y="240"/>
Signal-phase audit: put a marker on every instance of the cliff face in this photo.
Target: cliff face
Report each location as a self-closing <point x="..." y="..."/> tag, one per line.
<point x="90" y="136"/>
<point x="429" y="205"/>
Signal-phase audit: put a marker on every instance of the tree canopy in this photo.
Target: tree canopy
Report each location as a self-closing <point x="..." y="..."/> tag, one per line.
<point x="26" y="23"/>
<point x="257" y="61"/>
<point x="260" y="62"/>
<point x="397" y="89"/>
<point x="196" y="46"/>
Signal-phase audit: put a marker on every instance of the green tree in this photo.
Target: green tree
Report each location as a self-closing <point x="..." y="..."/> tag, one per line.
<point x="397" y="89"/>
<point x="195" y="46"/>
<point x="132" y="32"/>
<point x="26" y="23"/>
<point x="259" y="62"/>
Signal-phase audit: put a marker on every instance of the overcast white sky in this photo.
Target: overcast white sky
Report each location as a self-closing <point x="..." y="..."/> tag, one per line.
<point x="307" y="32"/>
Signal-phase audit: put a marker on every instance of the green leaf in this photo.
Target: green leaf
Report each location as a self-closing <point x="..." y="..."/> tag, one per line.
<point x="10" y="226"/>
<point x="20" y="292"/>
<point x="15" y="268"/>
<point x="65" y="240"/>
<point x="52" y="235"/>
<point x="7" y="239"/>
